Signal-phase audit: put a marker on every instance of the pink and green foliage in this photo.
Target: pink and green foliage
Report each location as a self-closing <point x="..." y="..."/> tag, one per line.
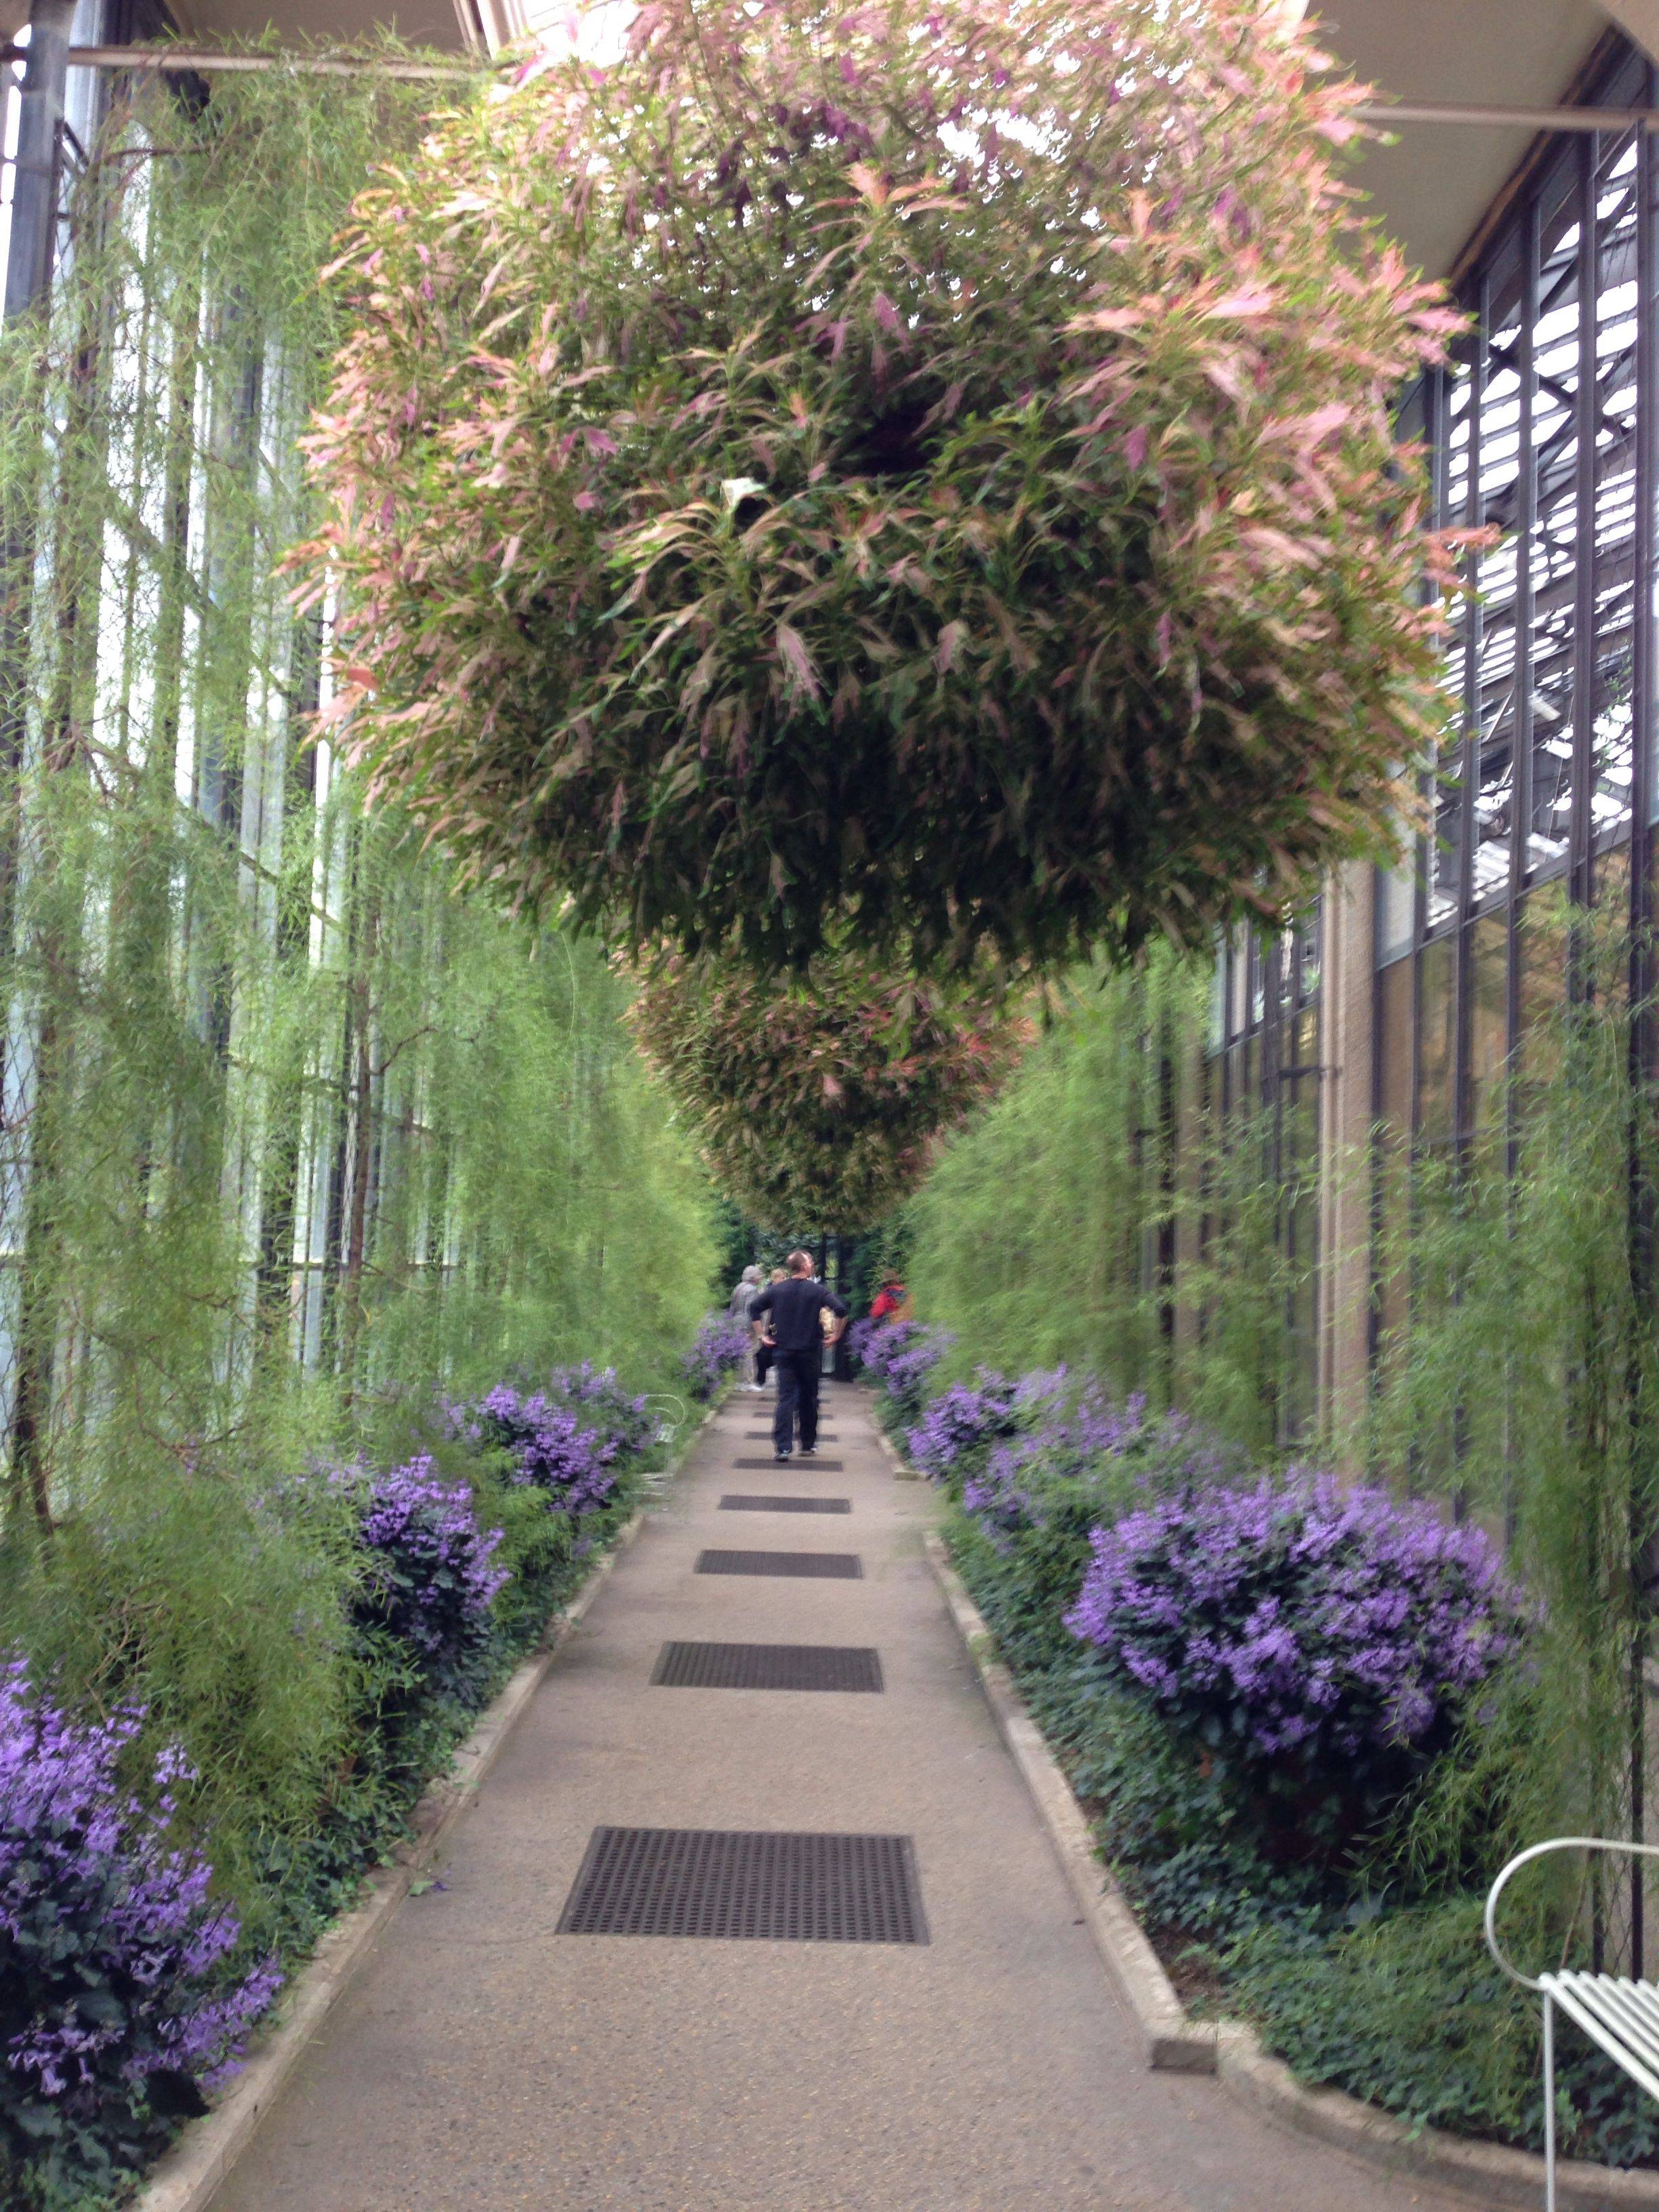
<point x="929" y="461"/>
<point x="816" y="1100"/>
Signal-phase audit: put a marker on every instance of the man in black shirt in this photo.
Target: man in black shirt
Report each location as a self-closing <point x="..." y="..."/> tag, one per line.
<point x="797" y="1329"/>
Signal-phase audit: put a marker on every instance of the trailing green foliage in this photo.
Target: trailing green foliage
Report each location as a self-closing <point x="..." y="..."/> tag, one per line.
<point x="1101" y="1211"/>
<point x="1522" y="1379"/>
<point x="932" y="459"/>
<point x="294" y="1137"/>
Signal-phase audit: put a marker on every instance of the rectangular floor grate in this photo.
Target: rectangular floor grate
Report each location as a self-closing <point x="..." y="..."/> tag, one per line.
<point x="818" y="1566"/>
<point x="735" y="1504"/>
<point x="824" y="1466"/>
<point x="767" y="1666"/>
<point x="724" y="1882"/>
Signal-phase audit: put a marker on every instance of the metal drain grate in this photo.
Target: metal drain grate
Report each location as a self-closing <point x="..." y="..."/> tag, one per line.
<point x="767" y="1666"/>
<point x="824" y="1465"/>
<point x="820" y="1565"/>
<point x="733" y="1505"/>
<point x="723" y="1882"/>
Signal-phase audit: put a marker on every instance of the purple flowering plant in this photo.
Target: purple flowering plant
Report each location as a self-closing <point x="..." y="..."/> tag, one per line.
<point x="572" y="1439"/>
<point x="429" y="1581"/>
<point x="899" y="1356"/>
<point x="719" y="1346"/>
<point x="622" y="1416"/>
<point x="573" y="1463"/>
<point x="119" y="1996"/>
<point x="958" y="1428"/>
<point x="1074" y="1460"/>
<point x="1313" y="1639"/>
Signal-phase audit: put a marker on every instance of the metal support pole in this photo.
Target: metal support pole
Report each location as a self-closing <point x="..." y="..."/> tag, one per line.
<point x="1549" y="2103"/>
<point x="35" y="188"/>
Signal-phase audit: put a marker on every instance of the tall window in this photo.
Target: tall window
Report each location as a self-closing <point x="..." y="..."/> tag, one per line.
<point x="1540" y="431"/>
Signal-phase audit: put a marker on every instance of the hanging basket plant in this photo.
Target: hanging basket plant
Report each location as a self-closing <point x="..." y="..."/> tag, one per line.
<point x="816" y="1103"/>
<point x="928" y="462"/>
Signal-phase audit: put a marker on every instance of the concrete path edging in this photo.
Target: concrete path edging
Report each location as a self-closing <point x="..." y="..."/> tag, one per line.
<point x="1492" y="2175"/>
<point x="188" y="2174"/>
<point x="1174" y="2043"/>
<point x="902" y="1471"/>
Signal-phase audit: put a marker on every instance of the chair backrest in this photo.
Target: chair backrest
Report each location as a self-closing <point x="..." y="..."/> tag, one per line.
<point x="1525" y="1858"/>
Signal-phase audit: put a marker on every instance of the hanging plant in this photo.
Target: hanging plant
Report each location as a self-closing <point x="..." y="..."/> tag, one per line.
<point x="930" y="461"/>
<point x="816" y="1103"/>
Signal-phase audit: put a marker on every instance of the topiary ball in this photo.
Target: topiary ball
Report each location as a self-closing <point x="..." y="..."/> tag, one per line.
<point x="929" y="463"/>
<point x="816" y="1103"/>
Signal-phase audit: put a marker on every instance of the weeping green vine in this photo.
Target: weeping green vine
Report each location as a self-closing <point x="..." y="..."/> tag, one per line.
<point x="294" y="1137"/>
<point x="1107" y="1212"/>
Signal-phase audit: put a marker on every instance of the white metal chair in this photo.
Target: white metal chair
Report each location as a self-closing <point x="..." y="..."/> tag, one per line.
<point x="1617" y="2013"/>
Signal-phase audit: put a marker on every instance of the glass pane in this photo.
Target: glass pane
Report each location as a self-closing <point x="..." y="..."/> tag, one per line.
<point x="1555" y="537"/>
<point x="1488" y="1001"/>
<point x="1217" y="1031"/>
<point x="1545" y="938"/>
<point x="1394" y="1046"/>
<point x="1615" y="487"/>
<point x="1435" y="1083"/>
<point x="1396" y="898"/>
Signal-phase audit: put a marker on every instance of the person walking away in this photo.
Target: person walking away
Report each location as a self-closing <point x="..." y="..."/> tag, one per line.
<point x="792" y="1313"/>
<point x="766" y="1347"/>
<point x="741" y="1299"/>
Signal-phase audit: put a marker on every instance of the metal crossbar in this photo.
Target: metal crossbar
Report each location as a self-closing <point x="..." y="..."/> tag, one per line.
<point x="1618" y="2012"/>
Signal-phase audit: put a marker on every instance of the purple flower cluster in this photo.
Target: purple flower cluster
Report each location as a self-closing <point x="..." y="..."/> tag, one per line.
<point x="901" y="1355"/>
<point x="860" y="1335"/>
<point x="572" y="1466"/>
<point x="113" y="1979"/>
<point x="429" y="1582"/>
<point x="961" y="1422"/>
<point x="721" y="1343"/>
<point x="999" y="1496"/>
<point x="622" y="1417"/>
<point x="571" y="1440"/>
<point x="1052" y="1438"/>
<point x="1298" y="1617"/>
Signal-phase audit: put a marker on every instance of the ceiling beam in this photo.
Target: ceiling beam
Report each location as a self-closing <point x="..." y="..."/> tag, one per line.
<point x="1388" y="112"/>
<point x="190" y="61"/>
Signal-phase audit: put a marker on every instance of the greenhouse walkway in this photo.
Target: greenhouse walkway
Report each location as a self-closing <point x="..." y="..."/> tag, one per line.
<point x="482" y="2060"/>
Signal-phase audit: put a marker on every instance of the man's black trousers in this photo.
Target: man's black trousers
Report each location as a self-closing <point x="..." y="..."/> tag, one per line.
<point x="798" y="1391"/>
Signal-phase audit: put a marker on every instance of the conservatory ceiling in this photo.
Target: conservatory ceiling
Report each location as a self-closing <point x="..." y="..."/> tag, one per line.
<point x="421" y="22"/>
<point x="1431" y="189"/>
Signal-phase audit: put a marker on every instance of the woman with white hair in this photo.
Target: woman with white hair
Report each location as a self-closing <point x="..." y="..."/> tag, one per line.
<point x="738" y="1306"/>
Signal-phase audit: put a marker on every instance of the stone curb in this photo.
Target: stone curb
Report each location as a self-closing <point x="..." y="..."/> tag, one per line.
<point x="1491" y="2175"/>
<point x="187" y="2176"/>
<point x="1174" y="2043"/>
<point x="902" y="1472"/>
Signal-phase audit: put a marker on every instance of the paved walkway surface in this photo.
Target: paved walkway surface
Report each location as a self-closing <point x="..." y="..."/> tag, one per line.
<point x="483" y="2061"/>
